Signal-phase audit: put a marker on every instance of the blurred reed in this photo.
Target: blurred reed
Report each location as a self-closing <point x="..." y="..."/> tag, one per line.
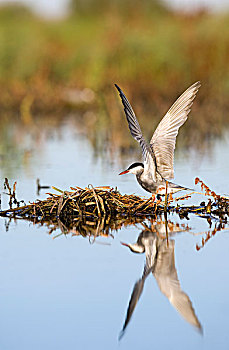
<point x="52" y="67"/>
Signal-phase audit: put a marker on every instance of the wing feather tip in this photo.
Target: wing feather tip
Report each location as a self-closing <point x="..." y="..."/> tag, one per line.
<point x="119" y="89"/>
<point x="196" y="85"/>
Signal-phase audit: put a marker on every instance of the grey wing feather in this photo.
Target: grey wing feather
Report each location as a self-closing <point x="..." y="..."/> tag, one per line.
<point x="136" y="132"/>
<point x="168" y="282"/>
<point x="163" y="141"/>
<point x="135" y="296"/>
<point x="136" y="293"/>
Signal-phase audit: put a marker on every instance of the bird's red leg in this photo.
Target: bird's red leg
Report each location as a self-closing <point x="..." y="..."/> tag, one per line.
<point x="170" y="197"/>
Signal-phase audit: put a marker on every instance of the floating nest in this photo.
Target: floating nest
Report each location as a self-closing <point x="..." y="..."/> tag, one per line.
<point x="89" y="202"/>
<point x="100" y="211"/>
<point x="93" y="203"/>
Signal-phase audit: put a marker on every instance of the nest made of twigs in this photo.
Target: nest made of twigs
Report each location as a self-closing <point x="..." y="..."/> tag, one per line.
<point x="92" y="202"/>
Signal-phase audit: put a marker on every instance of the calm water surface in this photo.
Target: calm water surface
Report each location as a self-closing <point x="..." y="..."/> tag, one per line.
<point x="68" y="293"/>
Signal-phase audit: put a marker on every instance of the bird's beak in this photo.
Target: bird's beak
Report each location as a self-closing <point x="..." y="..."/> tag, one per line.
<point x="125" y="244"/>
<point x="124" y="172"/>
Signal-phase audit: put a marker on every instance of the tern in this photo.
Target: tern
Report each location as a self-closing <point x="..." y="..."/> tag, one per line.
<point x="159" y="154"/>
<point x="160" y="261"/>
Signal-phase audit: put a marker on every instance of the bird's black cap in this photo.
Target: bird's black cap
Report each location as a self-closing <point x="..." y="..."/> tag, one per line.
<point x="134" y="165"/>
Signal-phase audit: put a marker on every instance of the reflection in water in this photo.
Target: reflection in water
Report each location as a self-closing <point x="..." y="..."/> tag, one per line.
<point x="81" y="226"/>
<point x="105" y="226"/>
<point x="21" y="141"/>
<point x="155" y="240"/>
<point x="207" y="235"/>
<point x="160" y="260"/>
<point x="159" y="256"/>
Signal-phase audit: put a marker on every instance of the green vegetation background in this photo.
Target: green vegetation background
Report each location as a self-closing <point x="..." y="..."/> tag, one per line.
<point x="152" y="52"/>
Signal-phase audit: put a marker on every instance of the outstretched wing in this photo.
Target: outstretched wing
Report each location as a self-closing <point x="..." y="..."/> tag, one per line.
<point x="163" y="141"/>
<point x="149" y="158"/>
<point x="136" y="293"/>
<point x="166" y="276"/>
<point x="135" y="296"/>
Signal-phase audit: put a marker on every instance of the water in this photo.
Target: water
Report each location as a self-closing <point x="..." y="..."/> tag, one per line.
<point x="69" y="293"/>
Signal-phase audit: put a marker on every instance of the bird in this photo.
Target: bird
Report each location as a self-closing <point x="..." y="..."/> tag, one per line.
<point x="158" y="155"/>
<point x="160" y="261"/>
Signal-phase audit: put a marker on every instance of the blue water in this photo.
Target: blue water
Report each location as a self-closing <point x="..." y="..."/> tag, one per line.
<point x="68" y="293"/>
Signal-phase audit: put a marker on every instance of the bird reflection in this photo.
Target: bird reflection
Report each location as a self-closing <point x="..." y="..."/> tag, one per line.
<point x="160" y="260"/>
